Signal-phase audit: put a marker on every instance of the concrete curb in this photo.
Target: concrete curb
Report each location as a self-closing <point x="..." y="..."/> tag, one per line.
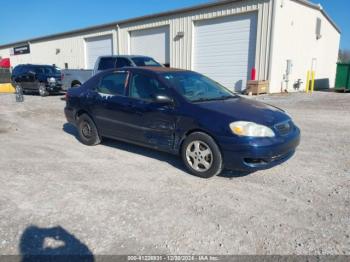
<point x="7" y="88"/>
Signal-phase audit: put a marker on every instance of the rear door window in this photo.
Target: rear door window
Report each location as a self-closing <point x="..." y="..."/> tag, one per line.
<point x="107" y="63"/>
<point x="113" y="84"/>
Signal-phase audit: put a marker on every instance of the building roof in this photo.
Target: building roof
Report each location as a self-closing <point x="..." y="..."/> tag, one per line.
<point x="172" y="12"/>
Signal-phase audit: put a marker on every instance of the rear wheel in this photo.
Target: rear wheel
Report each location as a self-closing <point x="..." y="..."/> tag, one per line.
<point x="42" y="90"/>
<point x="88" y="133"/>
<point x="201" y="155"/>
<point x="75" y="84"/>
<point x="18" y="88"/>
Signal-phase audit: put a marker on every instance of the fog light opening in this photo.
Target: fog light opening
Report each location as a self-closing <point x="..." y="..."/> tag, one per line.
<point x="255" y="161"/>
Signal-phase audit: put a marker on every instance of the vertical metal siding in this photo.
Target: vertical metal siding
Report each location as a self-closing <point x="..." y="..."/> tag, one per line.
<point x="73" y="51"/>
<point x="181" y="49"/>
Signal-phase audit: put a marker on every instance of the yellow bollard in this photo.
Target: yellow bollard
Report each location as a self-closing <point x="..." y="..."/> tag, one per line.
<point x="7" y="88"/>
<point x="312" y="81"/>
<point x="307" y="82"/>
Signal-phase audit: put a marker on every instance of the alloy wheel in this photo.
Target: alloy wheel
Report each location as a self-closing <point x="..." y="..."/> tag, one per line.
<point x="42" y="90"/>
<point x="86" y="130"/>
<point x="199" y="156"/>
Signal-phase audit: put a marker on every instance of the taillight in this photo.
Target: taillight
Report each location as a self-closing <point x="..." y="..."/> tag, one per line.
<point x="66" y="96"/>
<point x="62" y="76"/>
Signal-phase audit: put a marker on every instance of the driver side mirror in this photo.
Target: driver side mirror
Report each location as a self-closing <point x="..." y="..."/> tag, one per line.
<point x="163" y="99"/>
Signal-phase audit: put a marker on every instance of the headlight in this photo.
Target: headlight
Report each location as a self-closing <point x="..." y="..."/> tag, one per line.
<point x="51" y="80"/>
<point x="243" y="128"/>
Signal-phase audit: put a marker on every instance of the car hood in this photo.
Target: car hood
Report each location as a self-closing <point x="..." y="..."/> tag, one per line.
<point x="242" y="109"/>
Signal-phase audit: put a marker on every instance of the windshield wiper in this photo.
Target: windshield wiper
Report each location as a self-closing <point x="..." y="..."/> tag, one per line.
<point x="226" y="97"/>
<point x="214" y="98"/>
<point x="202" y="100"/>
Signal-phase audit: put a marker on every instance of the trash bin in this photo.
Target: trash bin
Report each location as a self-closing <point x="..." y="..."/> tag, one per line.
<point x="257" y="87"/>
<point x="342" y="81"/>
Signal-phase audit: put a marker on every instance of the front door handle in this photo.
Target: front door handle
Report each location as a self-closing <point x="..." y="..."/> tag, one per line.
<point x="134" y="109"/>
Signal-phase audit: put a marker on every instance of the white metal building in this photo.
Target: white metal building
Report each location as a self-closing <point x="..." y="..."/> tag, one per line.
<point x="281" y="39"/>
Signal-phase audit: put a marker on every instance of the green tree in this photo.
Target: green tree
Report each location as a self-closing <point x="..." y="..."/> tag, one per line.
<point x="344" y="56"/>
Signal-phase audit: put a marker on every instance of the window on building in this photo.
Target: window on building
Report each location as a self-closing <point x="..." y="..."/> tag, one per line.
<point x="318" y="28"/>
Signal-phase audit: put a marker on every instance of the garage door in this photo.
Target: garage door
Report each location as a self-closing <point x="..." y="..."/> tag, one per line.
<point x="96" y="47"/>
<point x="152" y="42"/>
<point x="224" y="49"/>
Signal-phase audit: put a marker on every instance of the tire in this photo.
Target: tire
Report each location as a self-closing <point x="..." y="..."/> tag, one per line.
<point x="88" y="133"/>
<point x="201" y="155"/>
<point x="15" y="84"/>
<point x="42" y="90"/>
<point x="19" y="93"/>
<point x="76" y="84"/>
<point x="18" y="86"/>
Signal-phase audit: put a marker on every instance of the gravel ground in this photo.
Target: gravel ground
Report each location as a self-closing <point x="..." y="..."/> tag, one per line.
<point x="117" y="198"/>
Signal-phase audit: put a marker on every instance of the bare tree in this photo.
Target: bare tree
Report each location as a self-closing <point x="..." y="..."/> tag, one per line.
<point x="344" y="56"/>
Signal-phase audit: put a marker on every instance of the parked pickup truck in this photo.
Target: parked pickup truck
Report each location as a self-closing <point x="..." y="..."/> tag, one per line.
<point x="119" y="61"/>
<point x="77" y="77"/>
<point x="74" y="77"/>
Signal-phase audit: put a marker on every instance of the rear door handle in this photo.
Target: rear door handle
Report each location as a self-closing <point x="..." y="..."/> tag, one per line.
<point x="91" y="95"/>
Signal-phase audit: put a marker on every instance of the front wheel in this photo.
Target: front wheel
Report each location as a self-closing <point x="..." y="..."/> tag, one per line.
<point x="42" y="90"/>
<point x="88" y="133"/>
<point x="201" y="155"/>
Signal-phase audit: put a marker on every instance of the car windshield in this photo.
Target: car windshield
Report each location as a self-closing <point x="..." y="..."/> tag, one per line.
<point x="196" y="87"/>
<point x="145" y="61"/>
<point x="47" y="70"/>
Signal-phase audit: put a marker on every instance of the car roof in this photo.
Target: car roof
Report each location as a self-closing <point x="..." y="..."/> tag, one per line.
<point x="125" y="56"/>
<point x="34" y="65"/>
<point x="154" y="69"/>
<point x="160" y="69"/>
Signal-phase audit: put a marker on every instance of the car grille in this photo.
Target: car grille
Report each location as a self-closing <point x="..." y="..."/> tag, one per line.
<point x="284" y="128"/>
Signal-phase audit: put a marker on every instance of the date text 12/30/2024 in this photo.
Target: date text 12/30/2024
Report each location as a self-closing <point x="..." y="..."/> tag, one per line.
<point x="173" y="258"/>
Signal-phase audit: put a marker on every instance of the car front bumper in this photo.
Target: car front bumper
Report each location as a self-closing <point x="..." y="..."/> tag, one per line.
<point x="54" y="88"/>
<point x="253" y="154"/>
<point x="70" y="115"/>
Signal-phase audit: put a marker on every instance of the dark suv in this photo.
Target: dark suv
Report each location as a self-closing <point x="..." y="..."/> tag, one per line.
<point x="44" y="79"/>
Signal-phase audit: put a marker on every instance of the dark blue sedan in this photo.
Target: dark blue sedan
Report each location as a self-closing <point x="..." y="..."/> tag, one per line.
<point x="184" y="113"/>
